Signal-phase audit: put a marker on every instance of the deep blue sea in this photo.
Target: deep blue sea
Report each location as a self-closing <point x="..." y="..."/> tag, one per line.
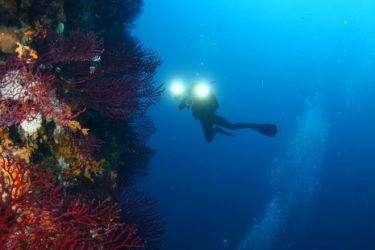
<point x="307" y="66"/>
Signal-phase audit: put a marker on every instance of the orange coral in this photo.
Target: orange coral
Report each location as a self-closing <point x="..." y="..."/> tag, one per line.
<point x="17" y="181"/>
<point x="76" y="126"/>
<point x="26" y="53"/>
<point x="29" y="33"/>
<point x="74" y="161"/>
<point x="9" y="148"/>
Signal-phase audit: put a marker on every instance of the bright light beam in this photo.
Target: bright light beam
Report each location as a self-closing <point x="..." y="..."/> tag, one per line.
<point x="177" y="88"/>
<point x="202" y="90"/>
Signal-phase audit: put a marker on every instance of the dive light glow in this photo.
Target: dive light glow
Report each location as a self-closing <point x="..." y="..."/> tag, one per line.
<point x="202" y="90"/>
<point x="177" y="88"/>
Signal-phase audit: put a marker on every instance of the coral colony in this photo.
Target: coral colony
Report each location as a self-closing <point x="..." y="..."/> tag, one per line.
<point x="74" y="90"/>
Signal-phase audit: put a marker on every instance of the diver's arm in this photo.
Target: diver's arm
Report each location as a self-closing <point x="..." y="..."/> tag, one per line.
<point x="185" y="103"/>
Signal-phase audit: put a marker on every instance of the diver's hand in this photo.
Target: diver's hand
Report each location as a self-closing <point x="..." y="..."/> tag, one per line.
<point x="182" y="106"/>
<point x="185" y="103"/>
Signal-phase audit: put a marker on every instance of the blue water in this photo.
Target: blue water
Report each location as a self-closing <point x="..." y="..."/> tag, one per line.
<point x="308" y="66"/>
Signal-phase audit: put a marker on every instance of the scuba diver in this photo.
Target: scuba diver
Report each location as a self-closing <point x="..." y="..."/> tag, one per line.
<point x="203" y="104"/>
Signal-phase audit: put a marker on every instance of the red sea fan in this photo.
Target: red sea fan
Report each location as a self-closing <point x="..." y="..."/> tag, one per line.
<point x="19" y="195"/>
<point x="142" y="209"/>
<point x="77" y="47"/>
<point x="20" y="90"/>
<point x="118" y="84"/>
<point x="115" y="98"/>
<point x="26" y="94"/>
<point x="93" y="226"/>
<point x="123" y="86"/>
<point x="34" y="215"/>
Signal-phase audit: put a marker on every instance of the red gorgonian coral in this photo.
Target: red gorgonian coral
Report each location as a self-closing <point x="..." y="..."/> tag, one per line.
<point x="34" y="215"/>
<point x="118" y="85"/>
<point x="75" y="63"/>
<point x="77" y="47"/>
<point x="27" y="95"/>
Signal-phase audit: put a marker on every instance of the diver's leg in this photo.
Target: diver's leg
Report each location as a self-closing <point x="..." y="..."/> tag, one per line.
<point x="208" y="129"/>
<point x="221" y="121"/>
<point x="222" y="131"/>
<point x="265" y="129"/>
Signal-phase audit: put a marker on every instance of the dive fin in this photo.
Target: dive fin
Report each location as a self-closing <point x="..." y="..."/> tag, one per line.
<point x="266" y="129"/>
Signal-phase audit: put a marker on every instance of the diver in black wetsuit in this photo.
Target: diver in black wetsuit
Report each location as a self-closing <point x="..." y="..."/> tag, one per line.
<point x="204" y="110"/>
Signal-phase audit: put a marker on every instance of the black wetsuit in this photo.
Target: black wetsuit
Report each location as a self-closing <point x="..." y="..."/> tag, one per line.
<point x="204" y="110"/>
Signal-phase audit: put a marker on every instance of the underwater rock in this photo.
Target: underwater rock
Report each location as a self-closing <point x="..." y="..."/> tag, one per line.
<point x="9" y="40"/>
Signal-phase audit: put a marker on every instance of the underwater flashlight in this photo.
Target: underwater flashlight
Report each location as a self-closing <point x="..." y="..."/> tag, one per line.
<point x="202" y="90"/>
<point x="177" y="88"/>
